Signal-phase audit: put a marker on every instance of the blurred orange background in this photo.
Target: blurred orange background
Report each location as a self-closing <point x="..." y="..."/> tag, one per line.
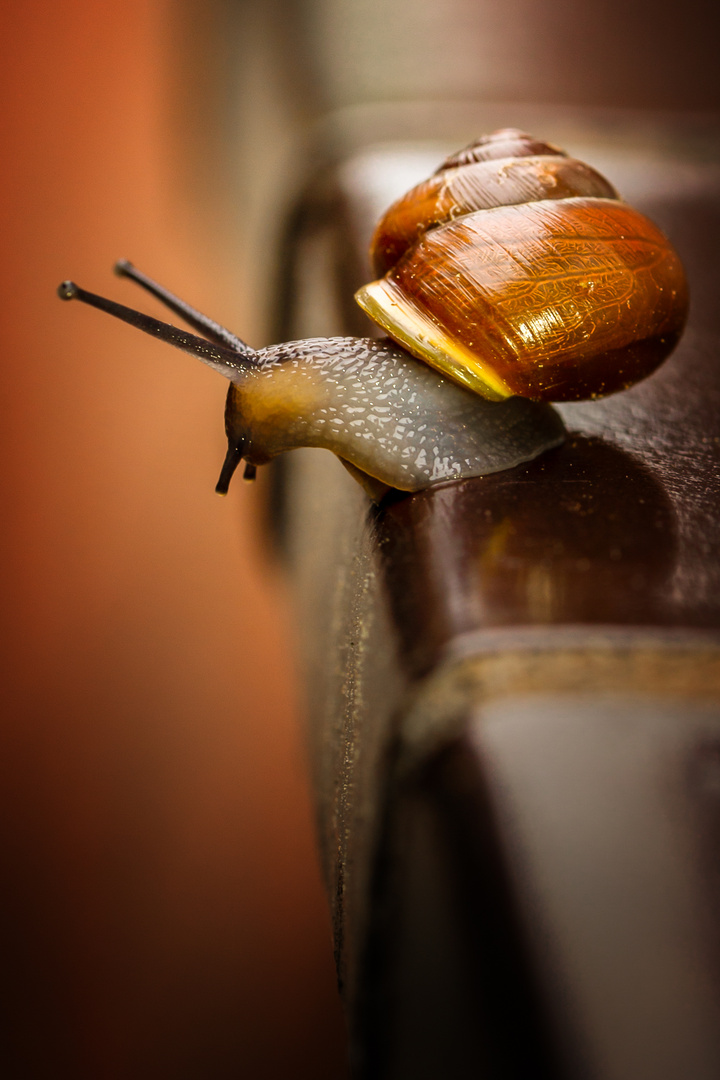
<point x="163" y="910"/>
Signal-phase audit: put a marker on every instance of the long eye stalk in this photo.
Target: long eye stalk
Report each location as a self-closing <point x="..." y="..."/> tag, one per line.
<point x="210" y="329"/>
<point x="223" y="359"/>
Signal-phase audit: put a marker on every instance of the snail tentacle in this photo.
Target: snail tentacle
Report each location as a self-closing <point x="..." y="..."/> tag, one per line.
<point x="210" y="329"/>
<point x="222" y="359"/>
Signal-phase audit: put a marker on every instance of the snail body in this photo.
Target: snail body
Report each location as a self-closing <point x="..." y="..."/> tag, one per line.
<point x="515" y="271"/>
<point x="382" y="411"/>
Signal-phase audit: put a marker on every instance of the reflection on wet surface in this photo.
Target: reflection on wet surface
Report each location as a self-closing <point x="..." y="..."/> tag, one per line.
<point x="584" y="534"/>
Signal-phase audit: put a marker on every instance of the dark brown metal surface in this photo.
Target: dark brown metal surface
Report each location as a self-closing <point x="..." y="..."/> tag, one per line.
<point x="582" y="589"/>
<point x="584" y="534"/>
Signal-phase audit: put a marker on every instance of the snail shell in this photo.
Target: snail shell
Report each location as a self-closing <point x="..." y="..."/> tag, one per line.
<point x="515" y="271"/>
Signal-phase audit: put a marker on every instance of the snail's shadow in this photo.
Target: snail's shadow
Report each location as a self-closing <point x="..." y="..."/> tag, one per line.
<point x="583" y="534"/>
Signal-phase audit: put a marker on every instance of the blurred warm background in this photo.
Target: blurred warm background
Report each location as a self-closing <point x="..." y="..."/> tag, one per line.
<point x="162" y="909"/>
<point x="163" y="913"/>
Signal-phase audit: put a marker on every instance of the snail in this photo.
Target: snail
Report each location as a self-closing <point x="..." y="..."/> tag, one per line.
<point x="513" y="277"/>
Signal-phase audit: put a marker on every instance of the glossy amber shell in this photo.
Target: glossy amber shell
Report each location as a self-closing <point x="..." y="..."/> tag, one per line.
<point x="506" y="142"/>
<point x="479" y="185"/>
<point x="555" y="300"/>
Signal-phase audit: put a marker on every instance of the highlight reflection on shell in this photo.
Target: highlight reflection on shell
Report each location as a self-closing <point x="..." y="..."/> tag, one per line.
<point x="553" y="296"/>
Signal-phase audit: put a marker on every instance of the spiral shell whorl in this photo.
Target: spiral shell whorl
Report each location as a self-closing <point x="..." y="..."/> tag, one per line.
<point x="506" y="142"/>
<point x="526" y="275"/>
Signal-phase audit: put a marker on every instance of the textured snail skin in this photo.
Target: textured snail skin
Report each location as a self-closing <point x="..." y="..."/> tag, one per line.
<point x="385" y="413"/>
